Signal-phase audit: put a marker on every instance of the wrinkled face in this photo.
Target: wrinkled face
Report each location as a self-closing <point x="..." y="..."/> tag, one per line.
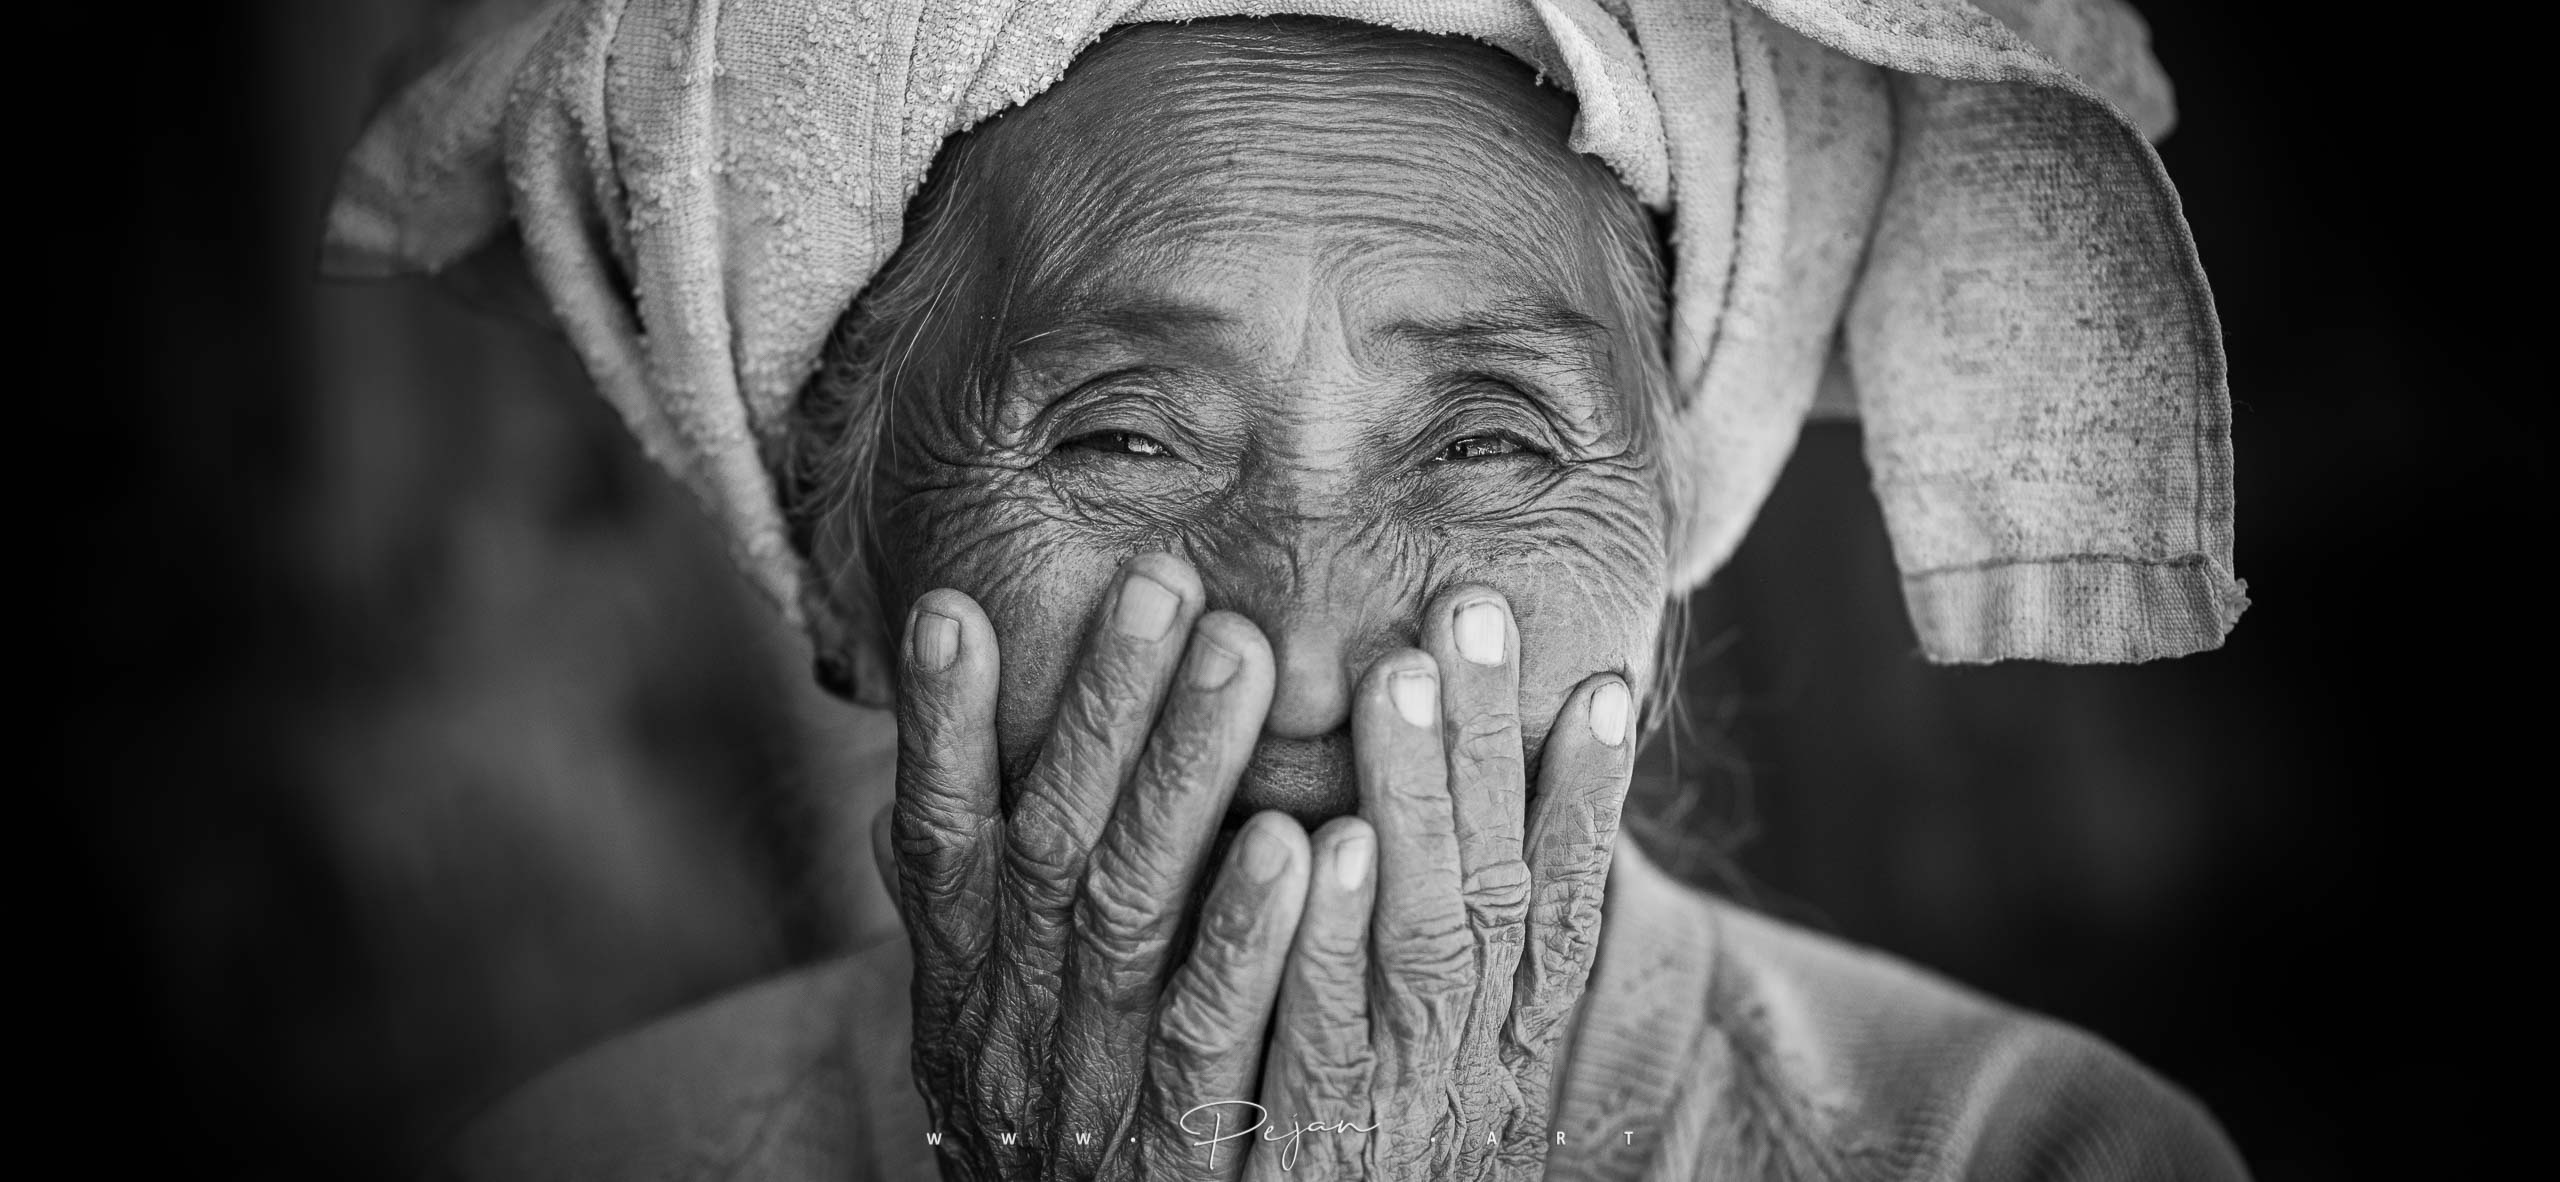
<point x="1341" y="328"/>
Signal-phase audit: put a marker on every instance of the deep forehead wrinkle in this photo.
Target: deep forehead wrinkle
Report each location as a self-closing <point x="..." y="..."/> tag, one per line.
<point x="1162" y="134"/>
<point x="1125" y="217"/>
<point x="1072" y="235"/>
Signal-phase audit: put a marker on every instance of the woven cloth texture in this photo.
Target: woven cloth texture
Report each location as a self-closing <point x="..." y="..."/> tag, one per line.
<point x="1945" y="218"/>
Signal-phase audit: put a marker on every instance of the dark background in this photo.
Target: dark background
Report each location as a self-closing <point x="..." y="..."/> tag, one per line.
<point x="414" y="734"/>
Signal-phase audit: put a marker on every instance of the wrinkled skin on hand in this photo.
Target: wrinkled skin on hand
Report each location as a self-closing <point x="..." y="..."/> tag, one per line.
<point x="1053" y="1031"/>
<point x="1344" y="331"/>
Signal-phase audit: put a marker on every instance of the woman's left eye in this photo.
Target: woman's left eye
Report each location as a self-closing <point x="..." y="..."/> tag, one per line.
<point x="1481" y="447"/>
<point x="1128" y="443"/>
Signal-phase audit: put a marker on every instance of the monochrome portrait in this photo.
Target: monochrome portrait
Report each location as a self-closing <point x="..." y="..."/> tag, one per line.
<point x="1348" y="589"/>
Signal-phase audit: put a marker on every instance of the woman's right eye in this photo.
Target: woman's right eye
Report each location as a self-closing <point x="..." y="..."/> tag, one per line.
<point x="1128" y="443"/>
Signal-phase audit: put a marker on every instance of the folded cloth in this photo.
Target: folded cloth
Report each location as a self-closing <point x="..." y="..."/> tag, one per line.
<point x="1944" y="214"/>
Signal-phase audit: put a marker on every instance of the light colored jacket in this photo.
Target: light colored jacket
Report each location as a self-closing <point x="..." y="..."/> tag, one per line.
<point x="1713" y="1043"/>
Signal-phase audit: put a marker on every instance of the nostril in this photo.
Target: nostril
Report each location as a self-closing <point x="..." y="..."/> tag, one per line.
<point x="1311" y="691"/>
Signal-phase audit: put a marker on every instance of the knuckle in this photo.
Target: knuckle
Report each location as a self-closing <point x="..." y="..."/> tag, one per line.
<point x="1557" y="947"/>
<point x="1532" y="1029"/>
<point x="1417" y="808"/>
<point x="927" y="712"/>
<point x="1490" y="739"/>
<point x="1186" y="747"/>
<point x="1113" y="899"/>
<point x="1408" y="941"/>
<point x="1117" y="958"/>
<point x="1230" y="928"/>
<point x="1497" y="893"/>
<point x="1563" y="834"/>
<point x="1557" y="960"/>
<point x="1113" y="695"/>
<point x="1025" y="1001"/>
<point x="1327" y="949"/>
<point x="1045" y="892"/>
<point x="941" y="857"/>
<point x="945" y="793"/>
<point x="1086" y="720"/>
<point x="1065" y="794"/>
<point x="1566" y="914"/>
<point x="1582" y="819"/>
<point x="1031" y="943"/>
<point x="1332" y="1068"/>
<point x="1334" y="987"/>
<point x="1438" y="964"/>
<point x="1181" y="758"/>
<point x="1114" y="965"/>
<point x="1045" y="867"/>
<point x="1194" y="1026"/>
<point x="957" y="911"/>
<point x="923" y="822"/>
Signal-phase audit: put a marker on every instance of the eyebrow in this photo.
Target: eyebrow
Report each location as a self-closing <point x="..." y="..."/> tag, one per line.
<point x="1523" y="332"/>
<point x="1529" y="332"/>
<point x="1150" y="319"/>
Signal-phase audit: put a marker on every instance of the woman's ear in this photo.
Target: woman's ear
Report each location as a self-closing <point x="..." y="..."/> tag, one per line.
<point x="856" y="652"/>
<point x="860" y="672"/>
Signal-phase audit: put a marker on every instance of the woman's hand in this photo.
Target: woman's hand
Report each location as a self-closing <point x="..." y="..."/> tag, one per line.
<point x="1044" y="934"/>
<point x="1482" y="936"/>
<point x="1055" y="1037"/>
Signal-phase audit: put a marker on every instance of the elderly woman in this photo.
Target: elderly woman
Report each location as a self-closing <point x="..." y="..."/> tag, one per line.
<point x="1257" y="462"/>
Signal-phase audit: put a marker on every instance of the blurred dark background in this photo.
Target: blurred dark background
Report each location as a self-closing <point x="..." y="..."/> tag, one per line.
<point x="416" y="734"/>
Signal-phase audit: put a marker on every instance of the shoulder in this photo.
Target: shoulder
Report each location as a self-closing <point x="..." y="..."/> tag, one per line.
<point x="1811" y="1057"/>
<point x="1935" y="1080"/>
<point x="801" y="1076"/>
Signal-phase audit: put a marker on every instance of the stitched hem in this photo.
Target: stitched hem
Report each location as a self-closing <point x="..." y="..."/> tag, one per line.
<point x="2076" y="609"/>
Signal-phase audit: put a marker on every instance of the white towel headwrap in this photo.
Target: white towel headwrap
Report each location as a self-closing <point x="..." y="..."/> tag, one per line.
<point x="703" y="187"/>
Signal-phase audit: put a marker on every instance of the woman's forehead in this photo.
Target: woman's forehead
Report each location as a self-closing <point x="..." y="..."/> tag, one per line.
<point x="1224" y="301"/>
<point x="1416" y="164"/>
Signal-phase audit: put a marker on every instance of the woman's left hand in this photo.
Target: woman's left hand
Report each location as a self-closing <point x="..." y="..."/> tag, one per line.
<point x="1482" y="935"/>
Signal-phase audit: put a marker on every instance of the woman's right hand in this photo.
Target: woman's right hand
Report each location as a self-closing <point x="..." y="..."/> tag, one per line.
<point x="1055" y="1036"/>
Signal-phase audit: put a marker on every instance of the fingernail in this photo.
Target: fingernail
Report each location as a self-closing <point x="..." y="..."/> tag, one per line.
<point x="935" y="640"/>
<point x="1264" y="856"/>
<point x="1211" y="665"/>
<point x="1609" y="713"/>
<point x="1480" y="633"/>
<point x="1351" y="861"/>
<point x="1416" y="694"/>
<point x="1146" y="608"/>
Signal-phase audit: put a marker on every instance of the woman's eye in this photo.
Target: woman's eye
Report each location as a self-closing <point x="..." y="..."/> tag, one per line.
<point x="1127" y="443"/>
<point x="1480" y="447"/>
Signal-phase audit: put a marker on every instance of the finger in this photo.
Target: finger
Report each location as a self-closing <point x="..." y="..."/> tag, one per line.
<point x="1421" y="952"/>
<point x="1317" y="1074"/>
<point x="1582" y="784"/>
<point x="945" y="822"/>
<point x="1195" y="1115"/>
<point x="1470" y="635"/>
<point x="1101" y="726"/>
<point x="1471" y="638"/>
<point x="1142" y="876"/>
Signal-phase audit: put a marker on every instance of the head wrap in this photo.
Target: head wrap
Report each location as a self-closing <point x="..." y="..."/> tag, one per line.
<point x="1944" y="217"/>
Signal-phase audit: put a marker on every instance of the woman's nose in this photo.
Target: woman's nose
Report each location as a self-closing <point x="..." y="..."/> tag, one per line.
<point x="1328" y="608"/>
<point x="1311" y="690"/>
